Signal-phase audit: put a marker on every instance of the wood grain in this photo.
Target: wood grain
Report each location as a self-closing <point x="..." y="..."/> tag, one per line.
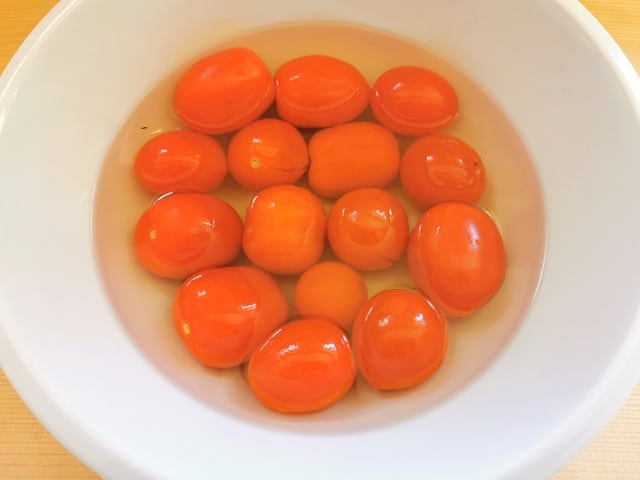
<point x="27" y="450"/>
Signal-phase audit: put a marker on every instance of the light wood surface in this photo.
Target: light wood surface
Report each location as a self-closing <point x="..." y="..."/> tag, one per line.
<point x="27" y="450"/>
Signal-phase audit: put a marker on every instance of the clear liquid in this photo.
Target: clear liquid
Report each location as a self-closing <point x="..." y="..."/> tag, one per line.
<point x="513" y="196"/>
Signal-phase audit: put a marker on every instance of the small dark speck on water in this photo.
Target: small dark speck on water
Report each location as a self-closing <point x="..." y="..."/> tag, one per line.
<point x="143" y="128"/>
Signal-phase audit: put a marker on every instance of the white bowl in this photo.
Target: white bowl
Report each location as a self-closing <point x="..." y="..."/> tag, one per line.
<point x="516" y="400"/>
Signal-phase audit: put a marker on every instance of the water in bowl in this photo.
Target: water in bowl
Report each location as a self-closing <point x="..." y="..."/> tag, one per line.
<point x="143" y="302"/>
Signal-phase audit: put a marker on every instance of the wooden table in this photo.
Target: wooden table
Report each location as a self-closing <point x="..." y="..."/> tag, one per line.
<point x="27" y="450"/>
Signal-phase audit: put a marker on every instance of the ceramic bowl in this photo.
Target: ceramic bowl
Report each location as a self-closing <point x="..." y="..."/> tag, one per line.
<point x="547" y="98"/>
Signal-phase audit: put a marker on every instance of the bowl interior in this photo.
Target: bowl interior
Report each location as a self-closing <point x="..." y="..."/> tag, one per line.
<point x="513" y="196"/>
